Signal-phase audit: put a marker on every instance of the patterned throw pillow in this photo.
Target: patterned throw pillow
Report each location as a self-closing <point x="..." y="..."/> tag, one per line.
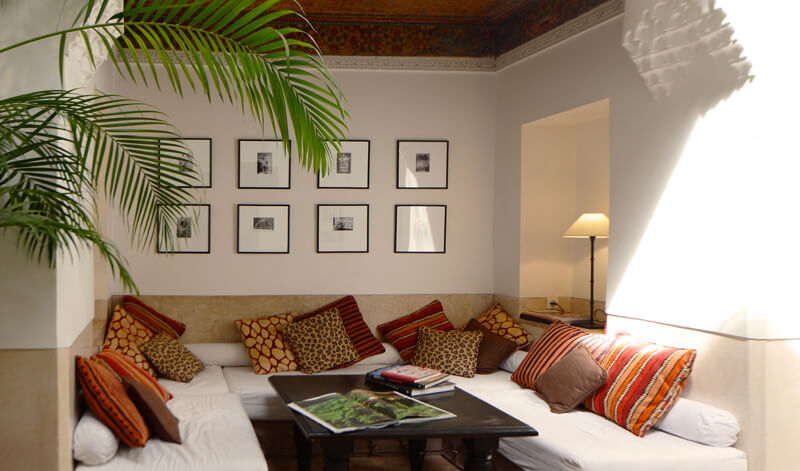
<point x="151" y="318"/>
<point x="107" y="399"/>
<point x="263" y="339"/>
<point x="359" y="332"/>
<point x="497" y="320"/>
<point x="320" y="342"/>
<point x="125" y="333"/>
<point x="171" y="359"/>
<point x="122" y="366"/>
<point x="402" y="332"/>
<point x="454" y="352"/>
<point x="644" y="380"/>
<point x="558" y="340"/>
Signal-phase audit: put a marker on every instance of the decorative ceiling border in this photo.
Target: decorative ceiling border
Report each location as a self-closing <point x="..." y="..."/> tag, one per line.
<point x="573" y="27"/>
<point x="594" y="17"/>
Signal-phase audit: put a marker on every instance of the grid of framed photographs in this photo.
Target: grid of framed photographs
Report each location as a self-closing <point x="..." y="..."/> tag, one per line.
<point x="341" y="228"/>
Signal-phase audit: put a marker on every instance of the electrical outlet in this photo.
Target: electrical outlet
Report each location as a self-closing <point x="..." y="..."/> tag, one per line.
<point x="552" y="302"/>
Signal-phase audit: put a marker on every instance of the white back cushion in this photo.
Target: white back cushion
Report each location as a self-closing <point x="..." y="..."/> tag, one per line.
<point x="701" y="423"/>
<point x="220" y="354"/>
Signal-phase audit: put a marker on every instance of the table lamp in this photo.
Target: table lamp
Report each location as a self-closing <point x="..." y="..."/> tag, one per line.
<point x="591" y="226"/>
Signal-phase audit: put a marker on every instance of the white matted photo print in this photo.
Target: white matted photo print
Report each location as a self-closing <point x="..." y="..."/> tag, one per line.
<point x="201" y="151"/>
<point x="422" y="164"/>
<point x="188" y="232"/>
<point x="342" y="228"/>
<point x="263" y="228"/>
<point x="420" y="228"/>
<point x="349" y="167"/>
<point x="263" y="164"/>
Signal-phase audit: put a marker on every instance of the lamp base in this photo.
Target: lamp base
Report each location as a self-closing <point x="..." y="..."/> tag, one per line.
<point x="588" y="324"/>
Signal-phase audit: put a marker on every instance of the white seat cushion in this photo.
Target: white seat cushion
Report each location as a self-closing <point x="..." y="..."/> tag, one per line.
<point x="208" y="381"/>
<point x="216" y="435"/>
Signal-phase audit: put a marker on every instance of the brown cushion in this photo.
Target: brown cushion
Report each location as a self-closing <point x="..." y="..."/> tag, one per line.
<point x="493" y="350"/>
<point x="159" y="419"/>
<point x="570" y="380"/>
<point x="106" y="397"/>
<point x="320" y="342"/>
<point x="171" y="359"/>
<point x="453" y="352"/>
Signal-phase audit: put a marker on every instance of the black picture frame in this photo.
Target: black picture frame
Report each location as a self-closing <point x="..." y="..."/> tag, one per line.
<point x="438" y="180"/>
<point x="239" y="244"/>
<point x="202" y="161"/>
<point x="162" y="250"/>
<point x="274" y="146"/>
<point x="397" y="209"/>
<point x="323" y="210"/>
<point x="320" y="183"/>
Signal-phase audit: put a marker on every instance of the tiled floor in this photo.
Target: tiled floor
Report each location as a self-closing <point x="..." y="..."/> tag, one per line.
<point x="434" y="462"/>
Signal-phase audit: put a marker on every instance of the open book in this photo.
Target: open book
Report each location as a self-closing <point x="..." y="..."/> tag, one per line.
<point x="361" y="409"/>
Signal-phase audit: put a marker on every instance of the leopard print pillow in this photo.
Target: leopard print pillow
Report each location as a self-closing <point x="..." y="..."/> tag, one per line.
<point x="453" y="352"/>
<point x="171" y="359"/>
<point x="320" y="342"/>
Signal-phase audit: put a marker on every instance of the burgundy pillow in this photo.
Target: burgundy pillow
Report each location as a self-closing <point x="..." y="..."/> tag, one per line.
<point x="570" y="380"/>
<point x="494" y="348"/>
<point x="402" y="332"/>
<point x="366" y="344"/>
<point x="158" y="418"/>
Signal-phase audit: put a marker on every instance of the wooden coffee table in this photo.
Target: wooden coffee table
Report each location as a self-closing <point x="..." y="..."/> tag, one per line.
<point x="478" y="424"/>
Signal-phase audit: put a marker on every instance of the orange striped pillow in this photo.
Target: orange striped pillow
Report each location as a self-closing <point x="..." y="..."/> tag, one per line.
<point x="644" y="379"/>
<point x="151" y="318"/>
<point x="558" y="340"/>
<point x="120" y="365"/>
<point x="107" y="398"/>
<point x="402" y="332"/>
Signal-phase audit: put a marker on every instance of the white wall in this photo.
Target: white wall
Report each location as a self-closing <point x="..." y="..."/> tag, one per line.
<point x="385" y="106"/>
<point x="42" y="308"/>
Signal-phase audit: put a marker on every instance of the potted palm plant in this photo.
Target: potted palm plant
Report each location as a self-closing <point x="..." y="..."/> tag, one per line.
<point x="61" y="149"/>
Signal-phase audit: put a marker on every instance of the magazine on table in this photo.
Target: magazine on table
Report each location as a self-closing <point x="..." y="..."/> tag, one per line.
<point x="361" y="409"/>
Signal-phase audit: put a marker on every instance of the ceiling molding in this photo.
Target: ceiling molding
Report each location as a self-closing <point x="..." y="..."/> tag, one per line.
<point x="459" y="64"/>
<point x="573" y="27"/>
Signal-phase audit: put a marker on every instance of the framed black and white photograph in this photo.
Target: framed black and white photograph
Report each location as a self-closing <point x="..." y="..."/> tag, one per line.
<point x="200" y="148"/>
<point x="342" y="228"/>
<point x="420" y="228"/>
<point x="422" y="164"/>
<point x="262" y="228"/>
<point x="263" y="163"/>
<point x="349" y="167"/>
<point x="188" y="232"/>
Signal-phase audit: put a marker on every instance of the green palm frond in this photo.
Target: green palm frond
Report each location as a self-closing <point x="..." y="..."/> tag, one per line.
<point x="56" y="147"/>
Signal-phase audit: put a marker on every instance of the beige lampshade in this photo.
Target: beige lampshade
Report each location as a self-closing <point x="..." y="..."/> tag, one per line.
<point x="589" y="224"/>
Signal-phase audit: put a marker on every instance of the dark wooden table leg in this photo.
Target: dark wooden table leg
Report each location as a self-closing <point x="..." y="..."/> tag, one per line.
<point x="479" y="453"/>
<point x="302" y="449"/>
<point x="337" y="454"/>
<point x="416" y="453"/>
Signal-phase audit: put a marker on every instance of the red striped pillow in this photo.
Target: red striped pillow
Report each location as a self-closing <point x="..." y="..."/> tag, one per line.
<point x="366" y="344"/>
<point x="558" y="340"/>
<point x="151" y="318"/>
<point x="121" y="366"/>
<point x="107" y="398"/>
<point x="402" y="332"/>
<point x="644" y="379"/>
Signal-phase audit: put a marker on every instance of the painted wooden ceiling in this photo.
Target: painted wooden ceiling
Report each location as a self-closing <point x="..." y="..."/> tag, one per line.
<point x="453" y="28"/>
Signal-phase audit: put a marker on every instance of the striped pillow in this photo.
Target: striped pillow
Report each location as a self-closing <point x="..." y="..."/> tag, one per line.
<point x="365" y="343"/>
<point x="151" y="318"/>
<point x="402" y="332"/>
<point x="644" y="379"/>
<point x="121" y="366"/>
<point x="107" y="399"/>
<point x="558" y="340"/>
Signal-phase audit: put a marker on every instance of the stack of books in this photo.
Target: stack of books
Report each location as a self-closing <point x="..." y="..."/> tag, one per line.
<point x="410" y="380"/>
